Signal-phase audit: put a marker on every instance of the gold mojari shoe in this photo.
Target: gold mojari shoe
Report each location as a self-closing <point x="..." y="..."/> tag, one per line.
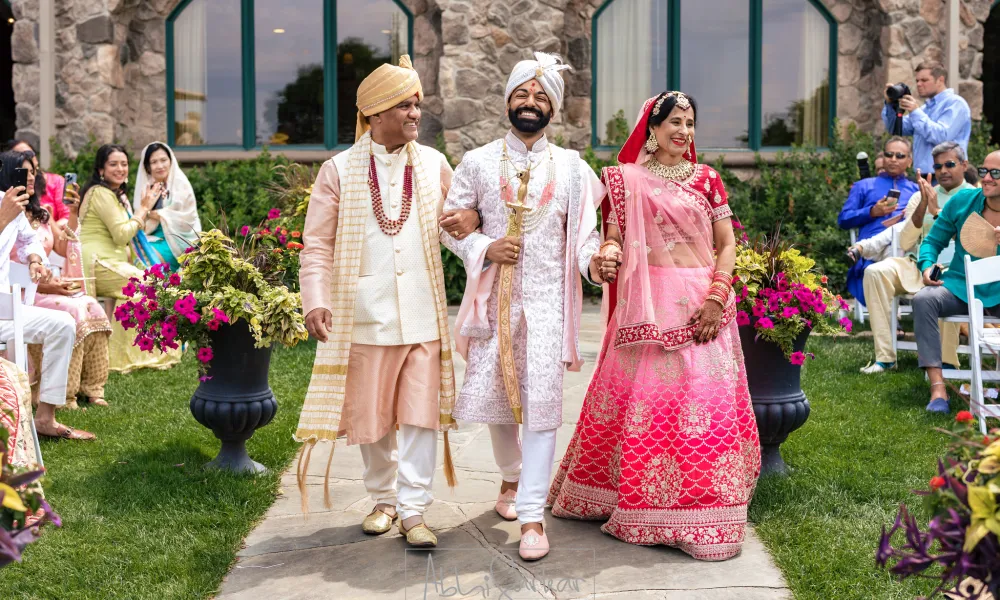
<point x="377" y="523"/>
<point x="419" y="536"/>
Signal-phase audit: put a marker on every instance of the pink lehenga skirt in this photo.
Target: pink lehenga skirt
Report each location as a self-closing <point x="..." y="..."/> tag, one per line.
<point x="666" y="448"/>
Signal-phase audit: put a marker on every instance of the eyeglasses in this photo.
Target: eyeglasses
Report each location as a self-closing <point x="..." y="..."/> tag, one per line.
<point x="948" y="165"/>
<point x="898" y="155"/>
<point x="994" y="173"/>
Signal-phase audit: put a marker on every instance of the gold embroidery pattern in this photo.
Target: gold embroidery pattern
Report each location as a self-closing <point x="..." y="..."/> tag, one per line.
<point x="670" y="367"/>
<point x="628" y="361"/>
<point x="728" y="478"/>
<point x="603" y="407"/>
<point x="695" y="420"/>
<point x="660" y="483"/>
<point x="638" y="420"/>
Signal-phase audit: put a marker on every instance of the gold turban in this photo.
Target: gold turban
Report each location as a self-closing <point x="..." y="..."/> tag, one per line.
<point x="386" y="87"/>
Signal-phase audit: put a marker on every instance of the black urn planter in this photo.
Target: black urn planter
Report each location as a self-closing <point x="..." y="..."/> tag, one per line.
<point x="776" y="392"/>
<point x="237" y="400"/>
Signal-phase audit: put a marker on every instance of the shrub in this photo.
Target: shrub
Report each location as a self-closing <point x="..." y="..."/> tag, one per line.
<point x="239" y="189"/>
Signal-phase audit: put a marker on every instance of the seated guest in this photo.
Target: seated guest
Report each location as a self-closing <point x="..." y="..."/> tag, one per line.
<point x="54" y="330"/>
<point x="113" y="240"/>
<point x="174" y="226"/>
<point x="893" y="276"/>
<point x="946" y="296"/>
<point x="49" y="188"/>
<point x="868" y="205"/>
<point x="88" y="371"/>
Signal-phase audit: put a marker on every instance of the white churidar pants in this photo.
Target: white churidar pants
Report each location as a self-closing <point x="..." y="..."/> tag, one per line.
<point x="533" y="473"/>
<point x="404" y="477"/>
<point x="56" y="332"/>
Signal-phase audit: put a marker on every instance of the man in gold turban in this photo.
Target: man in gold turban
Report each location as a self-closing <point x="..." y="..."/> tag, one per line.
<point x="373" y="295"/>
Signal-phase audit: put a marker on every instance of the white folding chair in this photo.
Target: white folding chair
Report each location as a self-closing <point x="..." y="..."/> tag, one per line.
<point x="21" y="275"/>
<point x="901" y="310"/>
<point x="859" y="310"/>
<point x="981" y="272"/>
<point x="12" y="309"/>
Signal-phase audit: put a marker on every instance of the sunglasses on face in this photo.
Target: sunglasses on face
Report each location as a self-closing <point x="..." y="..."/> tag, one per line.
<point x="948" y="165"/>
<point x="897" y="155"/>
<point x="994" y="173"/>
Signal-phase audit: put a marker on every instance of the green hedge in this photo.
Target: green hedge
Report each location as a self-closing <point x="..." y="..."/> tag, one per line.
<point x="802" y="191"/>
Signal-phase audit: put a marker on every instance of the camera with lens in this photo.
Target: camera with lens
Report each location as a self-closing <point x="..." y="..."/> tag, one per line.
<point x="895" y="92"/>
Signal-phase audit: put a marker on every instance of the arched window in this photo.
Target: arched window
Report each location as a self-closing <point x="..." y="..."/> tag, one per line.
<point x="761" y="70"/>
<point x="248" y="73"/>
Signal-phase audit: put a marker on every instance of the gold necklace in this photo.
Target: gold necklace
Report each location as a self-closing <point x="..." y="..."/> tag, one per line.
<point x="679" y="172"/>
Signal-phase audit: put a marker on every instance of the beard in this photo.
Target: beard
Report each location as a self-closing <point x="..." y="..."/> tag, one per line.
<point x="526" y="126"/>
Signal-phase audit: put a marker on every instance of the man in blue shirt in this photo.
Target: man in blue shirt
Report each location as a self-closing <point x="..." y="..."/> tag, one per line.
<point x="868" y="208"/>
<point x="944" y="117"/>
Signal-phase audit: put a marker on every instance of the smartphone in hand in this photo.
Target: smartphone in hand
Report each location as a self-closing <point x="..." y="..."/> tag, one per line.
<point x="936" y="273"/>
<point x="70" y="180"/>
<point x="21" y="178"/>
<point x="892" y="197"/>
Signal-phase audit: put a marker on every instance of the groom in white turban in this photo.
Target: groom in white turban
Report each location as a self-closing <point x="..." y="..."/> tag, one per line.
<point x="520" y="317"/>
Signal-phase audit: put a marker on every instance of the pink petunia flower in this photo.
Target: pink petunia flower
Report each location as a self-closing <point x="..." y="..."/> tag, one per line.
<point x="765" y="323"/>
<point x="742" y="318"/>
<point x="245" y="230"/>
<point x="220" y="315"/>
<point x="175" y="279"/>
<point x="192" y="316"/>
<point x="789" y="311"/>
<point x="273" y="214"/>
<point x="145" y="343"/>
<point x="213" y="325"/>
<point x="205" y="354"/>
<point x="797" y="358"/>
<point x="847" y="324"/>
<point x="759" y="310"/>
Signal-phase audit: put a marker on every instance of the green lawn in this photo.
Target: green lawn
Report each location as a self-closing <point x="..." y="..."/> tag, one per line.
<point x="867" y="443"/>
<point x="141" y="518"/>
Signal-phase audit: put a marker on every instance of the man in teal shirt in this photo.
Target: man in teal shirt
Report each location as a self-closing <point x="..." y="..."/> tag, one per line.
<point x="947" y="297"/>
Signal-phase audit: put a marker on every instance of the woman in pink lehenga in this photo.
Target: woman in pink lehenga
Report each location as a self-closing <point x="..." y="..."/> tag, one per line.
<point x="666" y="448"/>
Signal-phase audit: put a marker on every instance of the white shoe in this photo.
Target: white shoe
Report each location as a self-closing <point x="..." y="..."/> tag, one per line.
<point x="877" y="367"/>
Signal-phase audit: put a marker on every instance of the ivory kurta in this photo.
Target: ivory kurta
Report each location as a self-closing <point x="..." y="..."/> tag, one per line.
<point x="395" y="333"/>
<point x="546" y="290"/>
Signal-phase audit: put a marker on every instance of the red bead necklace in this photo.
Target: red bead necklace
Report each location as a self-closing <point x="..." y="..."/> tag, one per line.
<point x="390" y="226"/>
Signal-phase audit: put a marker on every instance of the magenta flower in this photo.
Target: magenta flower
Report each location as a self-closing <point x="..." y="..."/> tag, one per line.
<point x="245" y="230"/>
<point x="282" y="239"/>
<point x="742" y="318"/>
<point x="129" y="290"/>
<point x="169" y="331"/>
<point x="175" y="279"/>
<point x="189" y="250"/>
<point x="765" y="323"/>
<point x="797" y="358"/>
<point x="789" y="311"/>
<point x="170" y="344"/>
<point x="128" y="324"/>
<point x="809" y="323"/>
<point x="192" y="316"/>
<point x="205" y="354"/>
<point x="759" y="310"/>
<point x="145" y="343"/>
<point x="153" y="305"/>
<point x="122" y="312"/>
<point x="847" y="324"/>
<point x="204" y="378"/>
<point x="213" y="325"/>
<point x="220" y="315"/>
<point x="273" y="214"/>
<point x="141" y="315"/>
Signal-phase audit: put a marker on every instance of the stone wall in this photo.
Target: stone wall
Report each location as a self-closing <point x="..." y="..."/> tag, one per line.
<point x="111" y="64"/>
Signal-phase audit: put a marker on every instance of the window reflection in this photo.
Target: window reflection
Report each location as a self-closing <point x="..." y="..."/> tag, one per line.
<point x="715" y="46"/>
<point x="288" y="60"/>
<point x="796" y="76"/>
<point x="369" y="33"/>
<point x="208" y="97"/>
<point x="632" y="65"/>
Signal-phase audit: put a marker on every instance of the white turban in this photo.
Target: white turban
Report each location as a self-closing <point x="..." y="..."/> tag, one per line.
<point x="546" y="69"/>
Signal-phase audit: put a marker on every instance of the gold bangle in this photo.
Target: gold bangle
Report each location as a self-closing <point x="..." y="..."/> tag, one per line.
<point x="610" y="243"/>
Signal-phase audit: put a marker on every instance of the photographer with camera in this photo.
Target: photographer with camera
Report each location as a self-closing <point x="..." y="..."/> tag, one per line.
<point x="944" y="117"/>
<point x="875" y="201"/>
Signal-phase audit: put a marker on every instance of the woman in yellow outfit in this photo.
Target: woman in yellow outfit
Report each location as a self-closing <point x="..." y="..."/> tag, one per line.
<point x="112" y="239"/>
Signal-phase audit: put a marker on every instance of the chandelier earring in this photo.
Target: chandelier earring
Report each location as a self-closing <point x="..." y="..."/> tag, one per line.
<point x="651" y="144"/>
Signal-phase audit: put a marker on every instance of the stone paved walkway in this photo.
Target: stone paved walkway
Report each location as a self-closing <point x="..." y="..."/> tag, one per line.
<point x="327" y="556"/>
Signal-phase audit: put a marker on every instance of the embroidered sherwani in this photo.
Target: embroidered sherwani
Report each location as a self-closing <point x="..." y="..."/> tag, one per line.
<point x="547" y="294"/>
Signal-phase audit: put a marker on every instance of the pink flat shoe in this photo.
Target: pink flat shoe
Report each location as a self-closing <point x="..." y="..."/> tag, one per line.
<point x="533" y="546"/>
<point x="505" y="505"/>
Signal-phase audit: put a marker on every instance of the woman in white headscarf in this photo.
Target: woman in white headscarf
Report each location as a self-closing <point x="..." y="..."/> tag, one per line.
<point x="173" y="225"/>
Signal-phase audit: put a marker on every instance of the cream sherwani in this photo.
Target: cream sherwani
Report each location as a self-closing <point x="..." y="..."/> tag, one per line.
<point x="894" y="276"/>
<point x="545" y="304"/>
<point x="394" y="369"/>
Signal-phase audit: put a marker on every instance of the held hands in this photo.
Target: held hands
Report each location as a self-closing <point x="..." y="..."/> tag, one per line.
<point x="459" y="223"/>
<point x="707" y="320"/>
<point x="319" y="323"/>
<point x="604" y="265"/>
<point x="504" y="251"/>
